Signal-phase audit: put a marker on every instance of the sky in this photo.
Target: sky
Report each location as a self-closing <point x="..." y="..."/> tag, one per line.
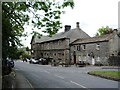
<point x="91" y="14"/>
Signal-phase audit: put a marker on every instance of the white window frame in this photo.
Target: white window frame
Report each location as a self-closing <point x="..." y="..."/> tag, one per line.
<point x="98" y="46"/>
<point x="84" y="47"/>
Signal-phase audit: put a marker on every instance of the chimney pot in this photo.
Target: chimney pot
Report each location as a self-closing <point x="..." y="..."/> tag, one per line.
<point x="77" y="25"/>
<point x="67" y="28"/>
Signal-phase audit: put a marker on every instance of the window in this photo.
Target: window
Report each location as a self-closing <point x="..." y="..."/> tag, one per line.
<point x="51" y="45"/>
<point x="59" y="43"/>
<point x="59" y="55"/>
<point x="98" y="58"/>
<point x="33" y="51"/>
<point x="98" y="46"/>
<point x="84" y="47"/>
<point x="40" y="46"/>
<point x="51" y="54"/>
<point x="74" y="48"/>
<point x="78" y="48"/>
<point x="45" y="54"/>
<point x="48" y="46"/>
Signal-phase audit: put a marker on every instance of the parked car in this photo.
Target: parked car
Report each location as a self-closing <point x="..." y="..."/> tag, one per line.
<point x="6" y="67"/>
<point x="43" y="61"/>
<point x="24" y="60"/>
<point x="27" y="59"/>
<point x="33" y="61"/>
<point x="11" y="63"/>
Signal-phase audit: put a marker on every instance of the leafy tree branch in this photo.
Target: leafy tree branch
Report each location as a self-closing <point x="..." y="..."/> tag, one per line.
<point x="46" y="15"/>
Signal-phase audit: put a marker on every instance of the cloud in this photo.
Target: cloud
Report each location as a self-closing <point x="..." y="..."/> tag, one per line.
<point x="93" y="14"/>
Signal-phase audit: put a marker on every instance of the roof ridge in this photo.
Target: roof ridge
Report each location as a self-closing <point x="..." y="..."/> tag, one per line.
<point x="73" y="34"/>
<point x="95" y="39"/>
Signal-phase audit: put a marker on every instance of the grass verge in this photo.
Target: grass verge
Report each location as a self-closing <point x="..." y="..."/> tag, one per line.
<point x="113" y="75"/>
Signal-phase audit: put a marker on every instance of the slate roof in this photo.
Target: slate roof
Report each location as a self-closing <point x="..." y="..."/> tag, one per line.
<point x="73" y="34"/>
<point x="94" y="39"/>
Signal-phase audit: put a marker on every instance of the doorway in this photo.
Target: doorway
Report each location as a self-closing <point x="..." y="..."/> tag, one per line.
<point x="74" y="57"/>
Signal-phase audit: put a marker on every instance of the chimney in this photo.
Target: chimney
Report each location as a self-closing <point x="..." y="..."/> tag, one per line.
<point x="77" y="25"/>
<point x="67" y="28"/>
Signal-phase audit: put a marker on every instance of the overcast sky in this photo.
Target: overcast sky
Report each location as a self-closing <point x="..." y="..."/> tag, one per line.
<point x="92" y="15"/>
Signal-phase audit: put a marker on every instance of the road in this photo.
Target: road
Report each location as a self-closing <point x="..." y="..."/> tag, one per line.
<point x="46" y="76"/>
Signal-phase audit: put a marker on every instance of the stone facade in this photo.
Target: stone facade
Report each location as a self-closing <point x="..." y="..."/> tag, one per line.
<point x="74" y="46"/>
<point x="95" y="50"/>
<point x="57" y="50"/>
<point x="58" y="46"/>
<point x="89" y="51"/>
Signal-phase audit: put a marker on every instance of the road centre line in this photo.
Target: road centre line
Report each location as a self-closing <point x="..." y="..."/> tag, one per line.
<point x="16" y="69"/>
<point x="78" y="84"/>
<point x="46" y="71"/>
<point x="55" y="75"/>
<point x="59" y="76"/>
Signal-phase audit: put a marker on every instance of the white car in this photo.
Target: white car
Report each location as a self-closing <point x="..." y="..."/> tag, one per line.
<point x="33" y="61"/>
<point x="27" y="59"/>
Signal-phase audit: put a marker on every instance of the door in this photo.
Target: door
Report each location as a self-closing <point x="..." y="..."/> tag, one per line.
<point x="41" y="54"/>
<point x="74" y="57"/>
<point x="93" y="61"/>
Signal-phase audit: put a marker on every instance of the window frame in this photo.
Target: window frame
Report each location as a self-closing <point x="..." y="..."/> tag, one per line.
<point x="84" y="47"/>
<point x="97" y="46"/>
<point x="78" y="47"/>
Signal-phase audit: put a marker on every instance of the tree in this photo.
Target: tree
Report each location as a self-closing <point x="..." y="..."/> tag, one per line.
<point x="16" y="14"/>
<point x="27" y="49"/>
<point x="26" y="55"/>
<point x="104" y="31"/>
<point x="19" y="53"/>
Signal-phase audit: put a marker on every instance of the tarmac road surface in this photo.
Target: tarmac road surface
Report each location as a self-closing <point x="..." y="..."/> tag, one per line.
<point x="46" y="76"/>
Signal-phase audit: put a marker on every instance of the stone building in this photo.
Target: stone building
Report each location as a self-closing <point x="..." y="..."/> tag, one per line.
<point x="96" y="50"/>
<point x="74" y="45"/>
<point x="58" y="46"/>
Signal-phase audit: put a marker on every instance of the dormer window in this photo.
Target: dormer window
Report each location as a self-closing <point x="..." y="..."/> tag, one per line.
<point x="98" y="46"/>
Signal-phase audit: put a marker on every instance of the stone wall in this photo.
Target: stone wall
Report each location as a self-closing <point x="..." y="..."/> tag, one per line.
<point x="57" y="50"/>
<point x="114" y="60"/>
<point x="114" y="45"/>
<point x="90" y="51"/>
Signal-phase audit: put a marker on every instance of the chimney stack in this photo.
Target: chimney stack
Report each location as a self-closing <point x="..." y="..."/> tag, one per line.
<point x="67" y="28"/>
<point x="77" y="25"/>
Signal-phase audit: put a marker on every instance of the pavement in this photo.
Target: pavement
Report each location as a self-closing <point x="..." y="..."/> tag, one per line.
<point x="93" y="67"/>
<point x="21" y="81"/>
<point x="16" y="81"/>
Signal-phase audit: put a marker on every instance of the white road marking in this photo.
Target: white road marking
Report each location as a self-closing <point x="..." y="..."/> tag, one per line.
<point x="59" y="76"/>
<point x="78" y="84"/>
<point x="46" y="71"/>
<point x="12" y="86"/>
<point x="29" y="83"/>
<point x="55" y="67"/>
<point x="16" y="69"/>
